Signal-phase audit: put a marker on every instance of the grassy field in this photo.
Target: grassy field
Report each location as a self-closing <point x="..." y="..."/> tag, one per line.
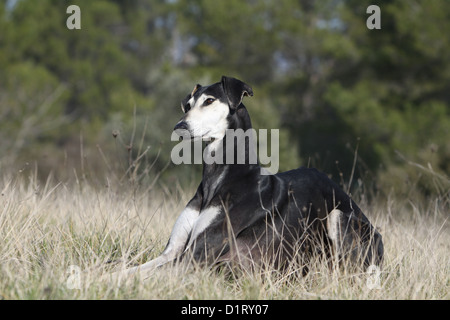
<point x="56" y="239"/>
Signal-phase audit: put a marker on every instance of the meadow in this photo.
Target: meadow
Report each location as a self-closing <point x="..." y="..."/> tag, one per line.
<point x="87" y="181"/>
<point x="58" y="238"/>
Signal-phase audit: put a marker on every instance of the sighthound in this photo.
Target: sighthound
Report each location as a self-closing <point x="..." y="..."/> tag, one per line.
<point x="239" y="216"/>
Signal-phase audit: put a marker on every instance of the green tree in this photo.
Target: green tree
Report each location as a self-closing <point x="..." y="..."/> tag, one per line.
<point x="104" y="67"/>
<point x="396" y="98"/>
<point x="230" y="36"/>
<point x="319" y="74"/>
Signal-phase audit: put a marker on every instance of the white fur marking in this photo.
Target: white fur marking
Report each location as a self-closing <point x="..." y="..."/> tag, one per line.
<point x="205" y="219"/>
<point x="180" y="232"/>
<point x="334" y="226"/>
<point x="207" y="122"/>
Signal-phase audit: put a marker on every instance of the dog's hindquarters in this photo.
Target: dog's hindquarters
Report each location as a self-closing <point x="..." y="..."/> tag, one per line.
<point x="354" y="238"/>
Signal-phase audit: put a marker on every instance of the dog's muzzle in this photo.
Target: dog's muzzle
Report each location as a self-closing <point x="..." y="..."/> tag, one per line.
<point x="181" y="129"/>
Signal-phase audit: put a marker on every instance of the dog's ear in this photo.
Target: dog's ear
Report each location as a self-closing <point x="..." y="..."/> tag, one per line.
<point x="235" y="91"/>
<point x="184" y="103"/>
<point x="197" y="86"/>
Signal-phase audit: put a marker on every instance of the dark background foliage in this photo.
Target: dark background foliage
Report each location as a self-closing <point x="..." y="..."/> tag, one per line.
<point x="369" y="107"/>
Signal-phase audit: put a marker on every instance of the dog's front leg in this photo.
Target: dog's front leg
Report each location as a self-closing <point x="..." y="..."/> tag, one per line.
<point x="177" y="242"/>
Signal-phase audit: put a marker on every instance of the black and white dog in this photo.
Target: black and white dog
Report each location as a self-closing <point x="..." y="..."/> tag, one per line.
<point x="239" y="215"/>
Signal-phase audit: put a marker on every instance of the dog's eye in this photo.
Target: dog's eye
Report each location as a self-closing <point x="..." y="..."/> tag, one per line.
<point x="208" y="101"/>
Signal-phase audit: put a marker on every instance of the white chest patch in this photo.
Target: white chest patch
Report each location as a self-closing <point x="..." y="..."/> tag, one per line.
<point x="203" y="221"/>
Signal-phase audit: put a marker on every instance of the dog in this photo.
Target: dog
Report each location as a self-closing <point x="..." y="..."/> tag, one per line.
<point x="240" y="215"/>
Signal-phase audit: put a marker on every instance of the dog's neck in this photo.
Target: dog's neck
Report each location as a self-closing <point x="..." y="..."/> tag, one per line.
<point x="231" y="170"/>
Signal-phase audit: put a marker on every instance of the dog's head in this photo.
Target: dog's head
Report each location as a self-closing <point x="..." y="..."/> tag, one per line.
<point x="208" y="108"/>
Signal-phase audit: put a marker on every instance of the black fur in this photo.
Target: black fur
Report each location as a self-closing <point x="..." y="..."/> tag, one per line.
<point x="273" y="218"/>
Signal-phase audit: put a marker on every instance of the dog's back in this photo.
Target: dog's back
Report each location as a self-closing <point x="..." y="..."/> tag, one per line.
<point x="329" y="211"/>
<point x="290" y="216"/>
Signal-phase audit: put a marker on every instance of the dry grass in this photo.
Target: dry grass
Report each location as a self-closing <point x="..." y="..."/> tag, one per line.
<point x="47" y="230"/>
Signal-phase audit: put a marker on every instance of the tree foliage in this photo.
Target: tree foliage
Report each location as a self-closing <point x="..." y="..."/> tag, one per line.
<point x="333" y="87"/>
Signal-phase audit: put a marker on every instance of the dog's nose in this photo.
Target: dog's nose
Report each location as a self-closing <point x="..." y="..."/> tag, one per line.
<point x="182" y="125"/>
